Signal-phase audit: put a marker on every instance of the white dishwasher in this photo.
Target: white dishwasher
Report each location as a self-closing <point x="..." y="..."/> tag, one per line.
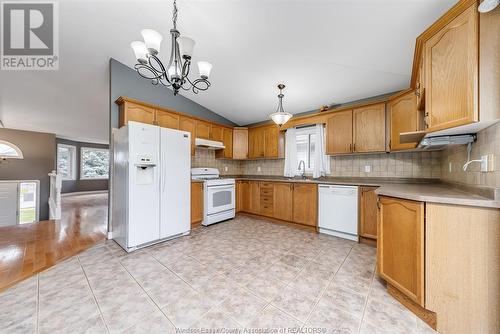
<point x="338" y="211"/>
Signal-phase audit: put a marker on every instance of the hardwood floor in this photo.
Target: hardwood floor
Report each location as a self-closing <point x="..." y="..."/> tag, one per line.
<point x="28" y="249"/>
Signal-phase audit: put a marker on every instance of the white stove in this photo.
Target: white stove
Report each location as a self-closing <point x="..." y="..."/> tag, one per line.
<point x="219" y="195"/>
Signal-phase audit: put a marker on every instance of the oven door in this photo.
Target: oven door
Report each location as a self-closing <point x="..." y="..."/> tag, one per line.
<point x="220" y="198"/>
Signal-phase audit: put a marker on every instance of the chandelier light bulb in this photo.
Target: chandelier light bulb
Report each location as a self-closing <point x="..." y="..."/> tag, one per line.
<point x="152" y="39"/>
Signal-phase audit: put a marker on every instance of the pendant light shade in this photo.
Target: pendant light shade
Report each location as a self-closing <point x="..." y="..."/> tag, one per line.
<point x="488" y="5"/>
<point x="280" y="117"/>
<point x="140" y="51"/>
<point x="186" y="46"/>
<point x="152" y="39"/>
<point x="205" y="68"/>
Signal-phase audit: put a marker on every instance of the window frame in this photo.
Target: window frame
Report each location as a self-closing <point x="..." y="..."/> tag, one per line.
<point x="307" y="130"/>
<point x="72" y="163"/>
<point x="82" y="177"/>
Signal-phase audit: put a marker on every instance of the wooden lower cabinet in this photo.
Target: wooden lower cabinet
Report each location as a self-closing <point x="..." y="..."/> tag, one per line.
<point x="305" y="204"/>
<point x="368" y="213"/>
<point x="400" y="246"/>
<point x="254" y="198"/>
<point x="196" y="203"/>
<point x="296" y="203"/>
<point x="283" y="201"/>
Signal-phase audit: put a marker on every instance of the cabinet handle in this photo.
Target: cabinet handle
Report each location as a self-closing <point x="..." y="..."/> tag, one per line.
<point x="390" y="144"/>
<point x="378" y="203"/>
<point x="354" y="147"/>
<point x="350" y="147"/>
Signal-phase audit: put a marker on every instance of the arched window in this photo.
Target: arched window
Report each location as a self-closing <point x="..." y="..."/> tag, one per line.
<point x="9" y="151"/>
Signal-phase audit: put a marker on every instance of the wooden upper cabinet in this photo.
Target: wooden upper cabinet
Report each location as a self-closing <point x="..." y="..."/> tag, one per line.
<point x="240" y="143"/>
<point x="305" y="204"/>
<point x="130" y="111"/>
<point x="369" y="128"/>
<point x="189" y="125"/>
<point x="227" y="140"/>
<point x="216" y="132"/>
<point x="451" y="73"/>
<point x="400" y="246"/>
<point x="203" y="129"/>
<point x="404" y="118"/>
<point x="166" y="119"/>
<point x="271" y="141"/>
<point x="339" y="132"/>
<point x="256" y="147"/>
<point x="368" y="212"/>
<point x="283" y="201"/>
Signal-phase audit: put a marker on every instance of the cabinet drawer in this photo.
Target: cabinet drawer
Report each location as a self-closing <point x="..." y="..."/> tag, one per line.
<point x="266" y="199"/>
<point x="266" y="209"/>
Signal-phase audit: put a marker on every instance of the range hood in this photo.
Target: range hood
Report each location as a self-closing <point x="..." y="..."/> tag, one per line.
<point x="210" y="144"/>
<point x="440" y="142"/>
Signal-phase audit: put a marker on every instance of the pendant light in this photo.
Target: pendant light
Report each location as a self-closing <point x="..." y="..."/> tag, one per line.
<point x="488" y="5"/>
<point x="280" y="117"/>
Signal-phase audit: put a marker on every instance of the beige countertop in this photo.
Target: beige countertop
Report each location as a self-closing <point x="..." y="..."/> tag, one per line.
<point x="437" y="193"/>
<point x="425" y="190"/>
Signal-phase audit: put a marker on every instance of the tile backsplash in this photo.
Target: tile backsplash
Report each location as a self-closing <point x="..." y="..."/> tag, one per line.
<point x="454" y="157"/>
<point x="414" y="164"/>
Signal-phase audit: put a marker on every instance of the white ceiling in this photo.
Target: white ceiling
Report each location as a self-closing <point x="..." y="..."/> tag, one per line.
<point x="324" y="51"/>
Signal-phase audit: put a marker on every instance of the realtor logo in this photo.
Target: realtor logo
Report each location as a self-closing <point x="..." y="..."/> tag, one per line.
<point x="30" y="39"/>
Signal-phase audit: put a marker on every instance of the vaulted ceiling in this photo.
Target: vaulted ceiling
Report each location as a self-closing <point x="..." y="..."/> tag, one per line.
<point x="324" y="51"/>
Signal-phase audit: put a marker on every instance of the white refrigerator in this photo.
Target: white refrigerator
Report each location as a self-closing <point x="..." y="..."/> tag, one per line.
<point x="151" y="185"/>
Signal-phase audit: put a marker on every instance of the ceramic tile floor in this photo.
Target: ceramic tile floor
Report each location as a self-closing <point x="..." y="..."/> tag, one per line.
<point x="241" y="274"/>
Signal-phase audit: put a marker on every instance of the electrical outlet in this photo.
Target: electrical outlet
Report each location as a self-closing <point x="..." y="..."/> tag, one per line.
<point x="226" y="168"/>
<point x="258" y="169"/>
<point x="368" y="169"/>
<point x="484" y="163"/>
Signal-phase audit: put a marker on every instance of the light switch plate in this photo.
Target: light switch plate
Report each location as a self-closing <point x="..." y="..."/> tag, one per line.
<point x="368" y="169"/>
<point x="258" y="169"/>
<point x="226" y="168"/>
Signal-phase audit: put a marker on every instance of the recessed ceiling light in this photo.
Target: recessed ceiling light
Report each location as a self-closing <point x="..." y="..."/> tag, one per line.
<point x="488" y="5"/>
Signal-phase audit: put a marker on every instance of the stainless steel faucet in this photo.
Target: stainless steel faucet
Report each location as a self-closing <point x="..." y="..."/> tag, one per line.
<point x="301" y="162"/>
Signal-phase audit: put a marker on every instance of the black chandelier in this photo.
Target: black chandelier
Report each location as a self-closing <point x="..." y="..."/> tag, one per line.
<point x="176" y="74"/>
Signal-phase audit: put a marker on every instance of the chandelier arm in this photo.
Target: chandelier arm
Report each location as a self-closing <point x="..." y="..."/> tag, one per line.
<point x="186" y="67"/>
<point x="205" y="84"/>
<point x="142" y="69"/>
<point x="156" y="64"/>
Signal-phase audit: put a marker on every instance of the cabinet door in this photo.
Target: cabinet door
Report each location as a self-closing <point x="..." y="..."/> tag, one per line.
<point x="245" y="196"/>
<point x="167" y="120"/>
<point x="271" y="138"/>
<point x="240" y="143"/>
<point x="254" y="197"/>
<point x="305" y="203"/>
<point x="283" y="201"/>
<point x="400" y="246"/>
<point x="189" y="125"/>
<point x="135" y="112"/>
<point x="451" y="73"/>
<point x="196" y="203"/>
<point x="227" y="140"/>
<point x="203" y="130"/>
<point x="368" y="212"/>
<point x="339" y="133"/>
<point x="255" y="143"/>
<point x="239" y="197"/>
<point x="216" y="133"/>
<point x="369" y="128"/>
<point x="404" y="118"/>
